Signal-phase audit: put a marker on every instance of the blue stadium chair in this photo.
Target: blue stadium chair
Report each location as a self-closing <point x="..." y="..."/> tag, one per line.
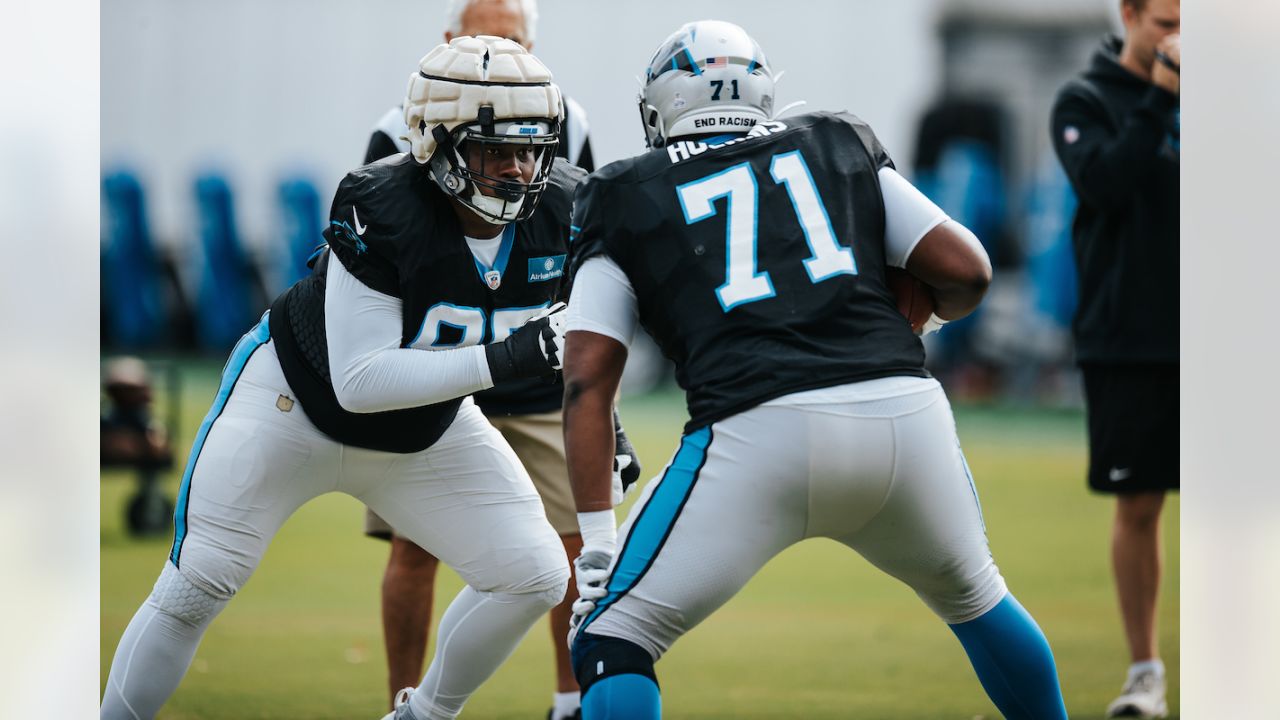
<point x="1051" y="205"/>
<point x="301" y="222"/>
<point x="132" y="284"/>
<point x="226" y="304"/>
<point x="968" y="184"/>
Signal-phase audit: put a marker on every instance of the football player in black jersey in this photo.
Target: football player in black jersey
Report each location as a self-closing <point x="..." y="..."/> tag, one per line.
<point x="528" y="416"/>
<point x="754" y="251"/>
<point x="358" y="380"/>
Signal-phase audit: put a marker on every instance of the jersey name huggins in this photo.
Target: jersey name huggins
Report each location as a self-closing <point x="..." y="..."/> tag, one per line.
<point x="686" y="149"/>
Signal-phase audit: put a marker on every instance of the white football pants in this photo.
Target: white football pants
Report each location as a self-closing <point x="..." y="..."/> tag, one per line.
<point x="257" y="459"/>
<point x="874" y="465"/>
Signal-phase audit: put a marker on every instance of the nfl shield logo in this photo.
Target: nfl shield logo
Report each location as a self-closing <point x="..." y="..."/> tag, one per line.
<point x="493" y="278"/>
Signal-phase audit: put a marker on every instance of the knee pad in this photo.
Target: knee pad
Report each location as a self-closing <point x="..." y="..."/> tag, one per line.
<point x="549" y="578"/>
<point x="555" y="582"/>
<point x="961" y="599"/>
<point x="527" y="573"/>
<point x="596" y="657"/>
<point x="544" y="599"/>
<point x="178" y="597"/>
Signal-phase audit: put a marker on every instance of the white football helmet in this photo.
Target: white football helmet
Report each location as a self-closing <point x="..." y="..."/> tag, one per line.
<point x="707" y="77"/>
<point x="483" y="90"/>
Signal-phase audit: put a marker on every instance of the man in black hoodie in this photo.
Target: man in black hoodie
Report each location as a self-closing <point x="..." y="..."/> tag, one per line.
<point x="1116" y="130"/>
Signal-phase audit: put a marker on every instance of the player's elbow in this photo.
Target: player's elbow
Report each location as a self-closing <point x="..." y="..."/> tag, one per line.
<point x="354" y="395"/>
<point x="974" y="274"/>
<point x="354" y="401"/>
<point x="575" y="390"/>
<point x="951" y="259"/>
<point x="967" y="283"/>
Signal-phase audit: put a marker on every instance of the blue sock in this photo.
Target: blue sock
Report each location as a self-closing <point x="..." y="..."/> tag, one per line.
<point x="1013" y="662"/>
<point x="622" y="697"/>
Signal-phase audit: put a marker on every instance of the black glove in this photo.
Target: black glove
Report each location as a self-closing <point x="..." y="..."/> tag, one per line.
<point x="534" y="349"/>
<point x="626" y="464"/>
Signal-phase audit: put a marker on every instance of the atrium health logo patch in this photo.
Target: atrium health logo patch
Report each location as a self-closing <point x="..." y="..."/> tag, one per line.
<point x="546" y="268"/>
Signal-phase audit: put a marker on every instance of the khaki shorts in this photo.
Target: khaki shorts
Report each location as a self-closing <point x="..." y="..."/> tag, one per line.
<point x="538" y="440"/>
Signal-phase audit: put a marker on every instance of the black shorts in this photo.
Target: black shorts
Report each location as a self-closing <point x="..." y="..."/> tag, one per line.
<point x="1133" y="427"/>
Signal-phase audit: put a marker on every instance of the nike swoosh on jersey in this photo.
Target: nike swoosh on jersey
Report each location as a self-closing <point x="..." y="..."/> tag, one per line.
<point x="1118" y="474"/>
<point x="359" y="228"/>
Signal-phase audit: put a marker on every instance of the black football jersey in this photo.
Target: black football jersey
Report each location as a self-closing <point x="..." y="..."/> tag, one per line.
<point x="757" y="261"/>
<point x="396" y="232"/>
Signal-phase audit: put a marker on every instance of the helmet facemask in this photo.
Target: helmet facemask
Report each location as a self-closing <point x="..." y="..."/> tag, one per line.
<point x="472" y="164"/>
<point x="473" y="102"/>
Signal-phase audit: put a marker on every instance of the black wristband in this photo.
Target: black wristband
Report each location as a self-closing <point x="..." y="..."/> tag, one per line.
<point x="522" y="355"/>
<point x="502" y="366"/>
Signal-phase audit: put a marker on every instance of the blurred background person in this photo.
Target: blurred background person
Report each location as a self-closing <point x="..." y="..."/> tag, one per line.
<point x="1116" y="131"/>
<point x="528" y="415"/>
<point x="131" y="437"/>
<point x="514" y="20"/>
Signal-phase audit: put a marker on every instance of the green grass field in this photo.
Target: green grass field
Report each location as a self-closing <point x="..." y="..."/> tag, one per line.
<point x="817" y="634"/>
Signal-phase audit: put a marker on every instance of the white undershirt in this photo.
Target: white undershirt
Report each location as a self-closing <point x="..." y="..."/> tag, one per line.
<point x="603" y="301"/>
<point x="486" y="251"/>
<point x="369" y="369"/>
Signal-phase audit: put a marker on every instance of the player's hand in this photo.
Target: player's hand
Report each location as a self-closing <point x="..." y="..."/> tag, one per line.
<point x="535" y="349"/>
<point x="626" y="465"/>
<point x="1165" y="72"/>
<point x="591" y="569"/>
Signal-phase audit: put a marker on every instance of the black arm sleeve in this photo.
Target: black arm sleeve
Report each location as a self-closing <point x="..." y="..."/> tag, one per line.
<point x="1105" y="163"/>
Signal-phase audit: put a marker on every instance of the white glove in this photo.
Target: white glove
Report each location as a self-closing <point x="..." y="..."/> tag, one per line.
<point x="591" y="567"/>
<point x="933" y="324"/>
<point x="592" y="571"/>
<point x="553" y="343"/>
<point x="620" y="463"/>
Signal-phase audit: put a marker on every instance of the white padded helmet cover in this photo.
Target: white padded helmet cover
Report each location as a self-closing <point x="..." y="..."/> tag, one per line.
<point x="456" y="79"/>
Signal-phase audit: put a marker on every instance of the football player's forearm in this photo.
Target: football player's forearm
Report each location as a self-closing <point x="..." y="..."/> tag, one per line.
<point x="588" y="439"/>
<point x="593" y="368"/>
<point x="951" y="261"/>
<point x="401" y="378"/>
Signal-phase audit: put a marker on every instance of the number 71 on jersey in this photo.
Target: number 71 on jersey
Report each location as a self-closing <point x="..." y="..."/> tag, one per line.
<point x="743" y="284"/>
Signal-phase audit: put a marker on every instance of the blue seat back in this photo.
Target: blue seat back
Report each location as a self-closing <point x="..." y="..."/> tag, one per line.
<point x="223" y="309"/>
<point x="132" y="283"/>
<point x="301" y="223"/>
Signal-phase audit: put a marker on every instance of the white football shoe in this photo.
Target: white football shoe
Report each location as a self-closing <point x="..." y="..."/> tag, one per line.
<point x="1141" y="697"/>
<point x="401" y="705"/>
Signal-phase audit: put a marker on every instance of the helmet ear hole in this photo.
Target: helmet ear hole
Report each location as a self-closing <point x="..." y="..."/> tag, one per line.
<point x="653" y="118"/>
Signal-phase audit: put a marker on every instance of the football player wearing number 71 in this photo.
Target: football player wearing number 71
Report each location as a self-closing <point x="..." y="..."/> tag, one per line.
<point x="754" y="250"/>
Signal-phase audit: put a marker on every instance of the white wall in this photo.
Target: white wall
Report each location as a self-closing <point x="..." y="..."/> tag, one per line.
<point x="262" y="88"/>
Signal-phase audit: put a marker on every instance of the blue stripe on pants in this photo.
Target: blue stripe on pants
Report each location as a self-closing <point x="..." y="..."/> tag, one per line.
<point x="244" y="349"/>
<point x="654" y="524"/>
